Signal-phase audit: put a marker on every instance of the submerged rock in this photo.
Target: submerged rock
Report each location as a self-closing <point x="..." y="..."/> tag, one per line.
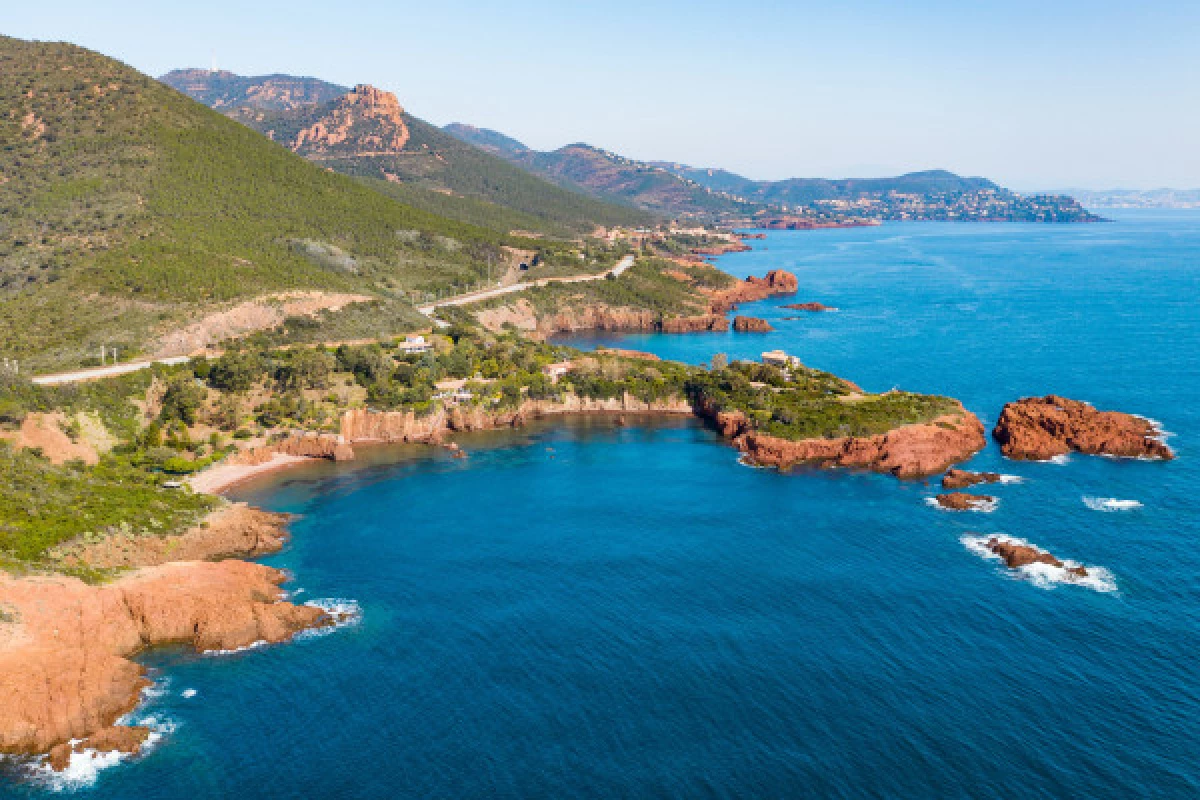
<point x="814" y="307"/>
<point x="962" y="479"/>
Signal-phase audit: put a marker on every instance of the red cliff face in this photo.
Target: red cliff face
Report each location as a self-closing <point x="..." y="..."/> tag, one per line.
<point x="364" y="122"/>
<point x="65" y="668"/>
<point x="910" y="451"/>
<point x="751" y="325"/>
<point x="1040" y="428"/>
<point x="696" y="324"/>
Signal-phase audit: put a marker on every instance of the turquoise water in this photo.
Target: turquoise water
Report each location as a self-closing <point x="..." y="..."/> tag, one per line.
<point x="586" y="610"/>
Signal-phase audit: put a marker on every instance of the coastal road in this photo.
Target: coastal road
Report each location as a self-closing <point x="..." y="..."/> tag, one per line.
<point x="474" y="297"/>
<point x="92" y="373"/>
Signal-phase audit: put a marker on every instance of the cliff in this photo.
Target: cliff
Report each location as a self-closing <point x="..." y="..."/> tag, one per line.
<point x="65" y="668"/>
<point x="1040" y="428"/>
<point x="743" y="324"/>
<point x="363" y="425"/>
<point x="909" y="451"/>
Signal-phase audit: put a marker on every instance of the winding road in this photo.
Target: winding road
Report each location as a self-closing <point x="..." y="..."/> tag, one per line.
<point x="92" y="373"/>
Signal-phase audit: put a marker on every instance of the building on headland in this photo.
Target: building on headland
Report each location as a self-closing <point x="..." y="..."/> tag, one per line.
<point x="778" y="358"/>
<point x="557" y="370"/>
<point x="413" y="345"/>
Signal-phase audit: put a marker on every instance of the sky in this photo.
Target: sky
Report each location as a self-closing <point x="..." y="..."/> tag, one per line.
<point x="1052" y="94"/>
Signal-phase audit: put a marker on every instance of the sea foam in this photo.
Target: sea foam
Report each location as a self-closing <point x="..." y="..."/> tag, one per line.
<point x="1111" y="504"/>
<point x="1043" y="576"/>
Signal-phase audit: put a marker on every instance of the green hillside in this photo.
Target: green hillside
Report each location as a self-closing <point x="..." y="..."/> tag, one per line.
<point x="127" y="208"/>
<point x="431" y="170"/>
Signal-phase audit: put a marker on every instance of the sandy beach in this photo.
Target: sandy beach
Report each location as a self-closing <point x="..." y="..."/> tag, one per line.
<point x="219" y="478"/>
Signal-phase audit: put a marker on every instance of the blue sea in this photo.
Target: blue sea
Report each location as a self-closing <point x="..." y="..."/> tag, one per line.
<point x="586" y="610"/>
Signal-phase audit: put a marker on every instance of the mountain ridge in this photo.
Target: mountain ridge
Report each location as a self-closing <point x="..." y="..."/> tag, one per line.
<point x="365" y="132"/>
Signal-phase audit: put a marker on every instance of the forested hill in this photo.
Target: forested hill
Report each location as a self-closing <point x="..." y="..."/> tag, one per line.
<point x="608" y="175"/>
<point x="803" y="191"/>
<point x="365" y="132"/>
<point x="126" y="208"/>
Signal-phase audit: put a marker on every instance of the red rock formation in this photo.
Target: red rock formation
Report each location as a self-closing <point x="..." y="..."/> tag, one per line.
<point x="777" y="281"/>
<point x="1039" y="428"/>
<point x="959" y="501"/>
<point x="65" y="671"/>
<point x="364" y="122"/>
<point x="751" y="325"/>
<point x="809" y="307"/>
<point x="910" y="451"/>
<point x="697" y="324"/>
<point x="961" y="479"/>
<point x="1017" y="555"/>
<point x="302" y="445"/>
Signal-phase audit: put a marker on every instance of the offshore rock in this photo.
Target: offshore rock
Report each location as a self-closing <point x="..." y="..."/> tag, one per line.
<point x="743" y="324"/>
<point x="1015" y="555"/>
<point x="1040" y="428"/>
<point x="960" y="501"/>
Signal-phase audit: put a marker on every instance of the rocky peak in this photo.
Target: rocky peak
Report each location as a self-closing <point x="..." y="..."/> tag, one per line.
<point x="364" y="122"/>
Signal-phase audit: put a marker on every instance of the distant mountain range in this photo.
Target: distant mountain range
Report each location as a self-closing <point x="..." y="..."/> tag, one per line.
<point x="673" y="188"/>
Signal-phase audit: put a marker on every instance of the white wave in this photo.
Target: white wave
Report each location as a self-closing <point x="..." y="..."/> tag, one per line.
<point x="1061" y="460"/>
<point x="1043" y="576"/>
<point x="1011" y="479"/>
<point x="82" y="770"/>
<point x="235" y="650"/>
<point x="345" y="613"/>
<point x="1110" y="504"/>
<point x="188" y="694"/>
<point x="978" y="506"/>
<point x="746" y="461"/>
<point x="84" y="767"/>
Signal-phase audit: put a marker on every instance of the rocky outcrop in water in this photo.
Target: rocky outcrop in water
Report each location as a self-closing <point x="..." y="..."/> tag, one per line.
<point x="1040" y="428"/>
<point x="960" y="501"/>
<point x="909" y="451"/>
<point x="1015" y="555"/>
<point x="962" y="479"/>
<point x="743" y="324"/>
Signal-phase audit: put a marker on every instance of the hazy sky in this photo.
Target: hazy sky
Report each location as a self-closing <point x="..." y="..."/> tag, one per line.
<point x="1046" y="94"/>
